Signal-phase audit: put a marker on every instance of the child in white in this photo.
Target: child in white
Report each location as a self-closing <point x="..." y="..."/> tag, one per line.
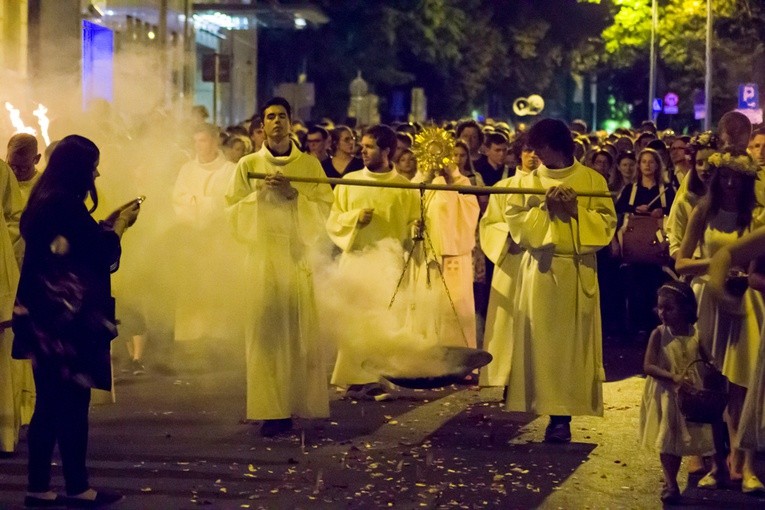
<point x="672" y="347"/>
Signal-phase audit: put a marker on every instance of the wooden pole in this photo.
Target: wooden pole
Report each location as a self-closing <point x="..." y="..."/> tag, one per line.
<point x="466" y="190"/>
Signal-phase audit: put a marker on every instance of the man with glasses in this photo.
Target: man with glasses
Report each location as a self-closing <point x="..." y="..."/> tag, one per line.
<point x="317" y="142"/>
<point x="678" y="154"/>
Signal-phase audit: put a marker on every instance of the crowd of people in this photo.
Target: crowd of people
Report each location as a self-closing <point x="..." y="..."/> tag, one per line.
<point x="603" y="228"/>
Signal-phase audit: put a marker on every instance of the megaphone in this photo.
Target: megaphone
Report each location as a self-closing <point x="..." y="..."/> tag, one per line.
<point x="531" y="105"/>
<point x="521" y="106"/>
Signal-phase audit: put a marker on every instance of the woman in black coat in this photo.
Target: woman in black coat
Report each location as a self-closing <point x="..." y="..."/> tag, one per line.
<point x="64" y="316"/>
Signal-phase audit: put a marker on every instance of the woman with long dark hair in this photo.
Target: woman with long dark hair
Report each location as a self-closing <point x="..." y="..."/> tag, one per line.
<point x="692" y="189"/>
<point x="732" y="338"/>
<point x="64" y="316"/>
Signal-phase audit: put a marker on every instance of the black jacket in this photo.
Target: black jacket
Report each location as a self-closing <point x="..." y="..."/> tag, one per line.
<point x="64" y="315"/>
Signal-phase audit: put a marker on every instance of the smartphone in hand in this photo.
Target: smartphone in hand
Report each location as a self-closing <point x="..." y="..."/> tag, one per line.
<point x="136" y="201"/>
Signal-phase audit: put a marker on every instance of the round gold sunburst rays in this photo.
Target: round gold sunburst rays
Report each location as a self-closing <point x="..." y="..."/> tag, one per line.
<point x="434" y="149"/>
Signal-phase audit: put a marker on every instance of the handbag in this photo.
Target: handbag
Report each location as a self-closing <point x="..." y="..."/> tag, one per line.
<point x="705" y="401"/>
<point x="736" y="285"/>
<point x="643" y="239"/>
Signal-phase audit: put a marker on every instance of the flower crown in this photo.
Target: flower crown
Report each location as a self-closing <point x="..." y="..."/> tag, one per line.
<point x="742" y="163"/>
<point x="705" y="140"/>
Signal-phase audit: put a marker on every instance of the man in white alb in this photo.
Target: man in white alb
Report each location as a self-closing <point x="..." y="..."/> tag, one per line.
<point x="557" y="359"/>
<point x="360" y="218"/>
<point x="505" y="253"/>
<point x="280" y="222"/>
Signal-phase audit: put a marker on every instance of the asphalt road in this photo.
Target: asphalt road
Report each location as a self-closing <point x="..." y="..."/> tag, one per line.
<point x="180" y="442"/>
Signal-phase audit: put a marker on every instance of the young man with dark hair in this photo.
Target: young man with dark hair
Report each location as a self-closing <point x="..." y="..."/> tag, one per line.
<point x="278" y="220"/>
<point x="317" y="142"/>
<point x="491" y="165"/>
<point x="757" y="146"/>
<point x="360" y="218"/>
<point x="255" y="132"/>
<point x="556" y="331"/>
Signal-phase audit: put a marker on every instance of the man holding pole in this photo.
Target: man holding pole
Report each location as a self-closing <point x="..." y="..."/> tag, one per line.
<point x="280" y="221"/>
<point x="557" y="365"/>
<point x="360" y="218"/>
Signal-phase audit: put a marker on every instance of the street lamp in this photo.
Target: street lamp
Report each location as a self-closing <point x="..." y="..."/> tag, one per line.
<point x="708" y="73"/>
<point x="652" y="69"/>
<point x="708" y="64"/>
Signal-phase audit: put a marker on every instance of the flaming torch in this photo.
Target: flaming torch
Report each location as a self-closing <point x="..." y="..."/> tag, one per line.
<point x="18" y="124"/>
<point x="43" y="121"/>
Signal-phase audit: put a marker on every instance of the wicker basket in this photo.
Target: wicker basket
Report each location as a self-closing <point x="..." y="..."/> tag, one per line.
<point x="704" y="404"/>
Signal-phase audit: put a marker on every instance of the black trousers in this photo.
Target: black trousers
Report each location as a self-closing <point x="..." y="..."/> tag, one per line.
<point x="60" y="416"/>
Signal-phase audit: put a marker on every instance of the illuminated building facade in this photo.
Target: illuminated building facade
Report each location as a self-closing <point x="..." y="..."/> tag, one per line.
<point x="102" y="48"/>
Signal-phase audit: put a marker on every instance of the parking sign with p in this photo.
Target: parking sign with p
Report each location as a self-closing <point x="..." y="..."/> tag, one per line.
<point x="748" y="96"/>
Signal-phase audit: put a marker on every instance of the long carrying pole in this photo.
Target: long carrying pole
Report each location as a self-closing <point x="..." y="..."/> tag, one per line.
<point x="467" y="190"/>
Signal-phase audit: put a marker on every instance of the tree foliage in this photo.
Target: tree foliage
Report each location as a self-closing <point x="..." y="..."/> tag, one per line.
<point x="623" y="52"/>
<point x="466" y="53"/>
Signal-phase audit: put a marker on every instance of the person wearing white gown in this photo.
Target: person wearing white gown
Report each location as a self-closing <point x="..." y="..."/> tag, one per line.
<point x="692" y="189"/>
<point x="557" y="359"/>
<point x="750" y="247"/>
<point x="732" y="337"/>
<point x="203" y="310"/>
<point x="673" y="347"/>
<point x="505" y="253"/>
<point x="451" y="219"/>
<point x="23" y="156"/>
<point x="360" y="218"/>
<point x="280" y="222"/>
<point x="10" y="412"/>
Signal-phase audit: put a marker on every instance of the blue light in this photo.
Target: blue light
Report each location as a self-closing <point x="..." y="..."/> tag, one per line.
<point x="97" y="63"/>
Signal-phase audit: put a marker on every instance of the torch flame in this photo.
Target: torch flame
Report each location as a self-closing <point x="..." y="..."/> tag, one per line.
<point x="18" y="124"/>
<point x="43" y="121"/>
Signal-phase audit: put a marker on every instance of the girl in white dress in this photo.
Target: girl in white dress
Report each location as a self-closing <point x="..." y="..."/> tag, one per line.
<point x="732" y="336"/>
<point x="750" y="248"/>
<point x="672" y="347"/>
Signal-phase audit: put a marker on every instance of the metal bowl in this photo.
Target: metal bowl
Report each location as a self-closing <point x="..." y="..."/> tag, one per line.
<point x="458" y="363"/>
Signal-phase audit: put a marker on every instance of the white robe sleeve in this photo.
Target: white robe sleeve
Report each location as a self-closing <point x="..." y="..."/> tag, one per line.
<point x="528" y="220"/>
<point x="677" y="222"/>
<point x="242" y="200"/>
<point x="184" y="196"/>
<point x="493" y="230"/>
<point x="13" y="205"/>
<point x="532" y="227"/>
<point x="343" y="221"/>
<point x="597" y="219"/>
<point x="10" y="241"/>
<point x="314" y="203"/>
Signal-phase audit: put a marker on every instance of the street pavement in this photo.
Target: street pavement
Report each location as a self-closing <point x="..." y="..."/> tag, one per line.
<point x="180" y="441"/>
